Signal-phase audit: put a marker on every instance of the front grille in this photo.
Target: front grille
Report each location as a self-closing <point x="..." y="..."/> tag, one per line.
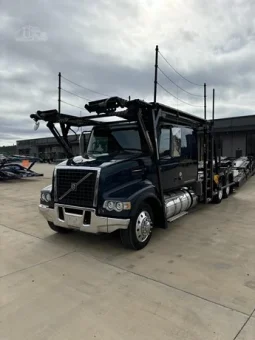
<point x="74" y="189"/>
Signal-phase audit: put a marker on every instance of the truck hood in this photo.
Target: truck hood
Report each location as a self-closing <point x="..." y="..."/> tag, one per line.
<point x="120" y="176"/>
<point x="115" y="171"/>
<point x="100" y="162"/>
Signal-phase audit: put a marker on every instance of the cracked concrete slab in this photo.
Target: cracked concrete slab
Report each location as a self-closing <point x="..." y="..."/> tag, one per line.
<point x="248" y="332"/>
<point x="79" y="297"/>
<point x="209" y="253"/>
<point x="19" y="251"/>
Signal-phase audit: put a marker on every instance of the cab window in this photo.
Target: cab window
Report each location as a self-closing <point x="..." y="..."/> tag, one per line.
<point x="165" y="143"/>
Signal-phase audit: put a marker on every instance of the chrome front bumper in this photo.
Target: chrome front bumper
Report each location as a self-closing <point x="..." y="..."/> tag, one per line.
<point x="74" y="218"/>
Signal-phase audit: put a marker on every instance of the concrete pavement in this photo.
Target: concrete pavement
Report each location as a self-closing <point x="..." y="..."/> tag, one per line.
<point x="194" y="281"/>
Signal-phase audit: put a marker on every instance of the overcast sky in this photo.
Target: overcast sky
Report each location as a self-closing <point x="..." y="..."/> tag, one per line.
<point x="109" y="46"/>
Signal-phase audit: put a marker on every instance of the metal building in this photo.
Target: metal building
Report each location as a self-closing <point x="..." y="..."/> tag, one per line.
<point x="235" y="136"/>
<point x="47" y="148"/>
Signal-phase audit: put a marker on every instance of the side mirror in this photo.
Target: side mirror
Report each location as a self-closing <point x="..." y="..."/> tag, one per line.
<point x="176" y="141"/>
<point x="36" y="126"/>
<point x="83" y="142"/>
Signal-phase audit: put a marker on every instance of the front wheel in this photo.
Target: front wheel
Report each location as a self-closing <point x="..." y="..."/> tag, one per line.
<point x="138" y="234"/>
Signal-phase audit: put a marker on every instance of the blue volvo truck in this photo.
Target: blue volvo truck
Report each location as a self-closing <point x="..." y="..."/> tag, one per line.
<point x="135" y="174"/>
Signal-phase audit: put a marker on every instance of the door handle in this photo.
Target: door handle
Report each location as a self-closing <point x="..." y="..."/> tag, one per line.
<point x="179" y="177"/>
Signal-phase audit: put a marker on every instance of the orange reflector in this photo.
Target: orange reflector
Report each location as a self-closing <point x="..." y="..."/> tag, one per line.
<point x="216" y="179"/>
<point x="25" y="163"/>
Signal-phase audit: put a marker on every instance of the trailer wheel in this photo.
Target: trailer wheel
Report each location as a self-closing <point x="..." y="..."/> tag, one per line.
<point x="226" y="191"/>
<point x="58" y="229"/>
<point x="232" y="187"/>
<point x="218" y="197"/>
<point x="138" y="234"/>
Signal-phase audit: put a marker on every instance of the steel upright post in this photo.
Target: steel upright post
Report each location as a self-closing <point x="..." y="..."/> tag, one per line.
<point x="213" y="153"/>
<point x="59" y="92"/>
<point x="205" y="101"/>
<point x="213" y="105"/>
<point x="156" y="75"/>
<point x="205" y="148"/>
<point x="217" y="163"/>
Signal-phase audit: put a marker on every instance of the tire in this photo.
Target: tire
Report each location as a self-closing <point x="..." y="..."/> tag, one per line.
<point x="231" y="189"/>
<point x="138" y="234"/>
<point x="226" y="191"/>
<point x="58" y="229"/>
<point x="218" y="197"/>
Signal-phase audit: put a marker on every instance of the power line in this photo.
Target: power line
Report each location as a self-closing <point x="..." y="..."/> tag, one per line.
<point x="178" y="98"/>
<point x="192" y="94"/>
<point x="178" y="72"/>
<point x="74" y="94"/>
<point x="85" y="88"/>
<point x="62" y="101"/>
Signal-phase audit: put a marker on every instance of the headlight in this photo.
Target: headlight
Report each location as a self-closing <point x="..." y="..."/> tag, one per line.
<point x="46" y="197"/>
<point x="116" y="205"/>
<point x="119" y="206"/>
<point x="110" y="205"/>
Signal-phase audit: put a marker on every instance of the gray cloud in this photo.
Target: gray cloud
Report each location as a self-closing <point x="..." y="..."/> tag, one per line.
<point x="110" y="49"/>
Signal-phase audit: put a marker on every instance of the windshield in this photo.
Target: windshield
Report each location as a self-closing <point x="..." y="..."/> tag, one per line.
<point x="105" y="142"/>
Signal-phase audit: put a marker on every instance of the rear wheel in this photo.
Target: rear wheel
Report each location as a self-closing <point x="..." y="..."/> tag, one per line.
<point x="58" y="229"/>
<point x="218" y="197"/>
<point x="232" y="187"/>
<point x="138" y="234"/>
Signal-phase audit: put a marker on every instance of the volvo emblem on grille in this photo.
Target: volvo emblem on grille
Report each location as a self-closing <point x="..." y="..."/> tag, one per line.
<point x="74" y="186"/>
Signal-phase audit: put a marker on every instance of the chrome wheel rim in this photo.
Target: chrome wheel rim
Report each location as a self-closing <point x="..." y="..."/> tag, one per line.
<point x="227" y="190"/>
<point x="220" y="194"/>
<point x="143" y="226"/>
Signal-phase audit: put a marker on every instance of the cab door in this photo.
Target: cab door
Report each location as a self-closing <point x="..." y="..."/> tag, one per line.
<point x="177" y="156"/>
<point x="189" y="155"/>
<point x="169" y="161"/>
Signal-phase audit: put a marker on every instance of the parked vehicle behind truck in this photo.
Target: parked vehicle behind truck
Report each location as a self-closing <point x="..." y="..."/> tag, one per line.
<point x="136" y="174"/>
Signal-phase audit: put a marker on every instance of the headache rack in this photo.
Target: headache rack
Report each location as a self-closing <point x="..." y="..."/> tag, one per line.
<point x="148" y="116"/>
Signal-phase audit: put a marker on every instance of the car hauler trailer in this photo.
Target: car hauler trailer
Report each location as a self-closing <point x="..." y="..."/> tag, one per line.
<point x="137" y="173"/>
<point x="10" y="170"/>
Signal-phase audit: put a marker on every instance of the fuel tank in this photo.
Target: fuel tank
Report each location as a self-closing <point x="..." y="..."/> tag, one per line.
<point x="179" y="201"/>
